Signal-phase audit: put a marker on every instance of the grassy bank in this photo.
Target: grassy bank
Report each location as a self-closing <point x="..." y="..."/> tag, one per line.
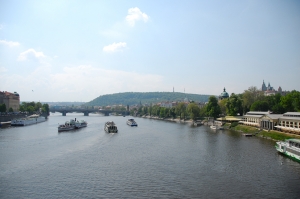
<point x="275" y="135"/>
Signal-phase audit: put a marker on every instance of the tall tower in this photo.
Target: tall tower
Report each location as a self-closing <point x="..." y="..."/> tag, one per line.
<point x="263" y="87"/>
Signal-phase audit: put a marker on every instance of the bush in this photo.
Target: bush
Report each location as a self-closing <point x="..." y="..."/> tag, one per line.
<point x="233" y="124"/>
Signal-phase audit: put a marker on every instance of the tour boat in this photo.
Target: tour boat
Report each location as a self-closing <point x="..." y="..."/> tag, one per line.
<point x="72" y="124"/>
<point x="32" y="119"/>
<point x="290" y="148"/>
<point x="110" y="127"/>
<point x="131" y="122"/>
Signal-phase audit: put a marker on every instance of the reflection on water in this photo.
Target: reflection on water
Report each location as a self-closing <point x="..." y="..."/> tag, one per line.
<point x="156" y="159"/>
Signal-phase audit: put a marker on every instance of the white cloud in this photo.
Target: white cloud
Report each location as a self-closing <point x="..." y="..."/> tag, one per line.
<point x="114" y="47"/>
<point x="9" y="43"/>
<point x="135" y="14"/>
<point x="30" y="54"/>
<point x="1" y="26"/>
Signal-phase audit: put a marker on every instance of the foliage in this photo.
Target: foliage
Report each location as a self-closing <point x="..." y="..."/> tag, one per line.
<point x="180" y="110"/>
<point x="291" y="102"/>
<point x="2" y="107"/>
<point x="233" y="124"/>
<point x="32" y="107"/>
<point x="193" y="110"/>
<point x="260" y="106"/>
<point x="222" y="105"/>
<point x="250" y="96"/>
<point x="10" y="109"/>
<point x="212" y="108"/>
<point x="132" y="98"/>
<point x="234" y="105"/>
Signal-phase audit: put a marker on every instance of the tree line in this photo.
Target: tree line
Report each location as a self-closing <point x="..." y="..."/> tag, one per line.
<point x="32" y="107"/>
<point x="237" y="104"/>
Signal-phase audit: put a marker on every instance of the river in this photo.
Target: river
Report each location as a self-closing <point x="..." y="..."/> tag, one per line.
<point x="157" y="159"/>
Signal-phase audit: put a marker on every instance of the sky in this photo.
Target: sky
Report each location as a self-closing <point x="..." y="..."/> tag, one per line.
<point x="71" y="50"/>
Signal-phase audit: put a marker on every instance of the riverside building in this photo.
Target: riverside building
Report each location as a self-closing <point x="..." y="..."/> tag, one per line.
<point x="11" y="100"/>
<point x="288" y="122"/>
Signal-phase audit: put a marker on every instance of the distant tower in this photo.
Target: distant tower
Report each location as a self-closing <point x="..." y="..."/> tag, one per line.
<point x="263" y="87"/>
<point x="280" y="90"/>
<point x="173" y="89"/>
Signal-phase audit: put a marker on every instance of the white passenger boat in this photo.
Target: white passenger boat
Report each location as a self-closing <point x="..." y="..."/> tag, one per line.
<point x="32" y="119"/>
<point x="131" y="122"/>
<point x="290" y="148"/>
<point x="72" y="124"/>
<point x="110" y="127"/>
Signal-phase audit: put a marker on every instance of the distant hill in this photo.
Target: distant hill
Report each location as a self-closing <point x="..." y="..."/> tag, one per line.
<point x="132" y="98"/>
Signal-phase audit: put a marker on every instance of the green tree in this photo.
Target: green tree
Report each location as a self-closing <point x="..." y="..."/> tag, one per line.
<point x="291" y="101"/>
<point x="37" y="106"/>
<point x="45" y="108"/>
<point x="222" y="105"/>
<point x="234" y="105"/>
<point x="180" y="110"/>
<point x="172" y="112"/>
<point x="10" y="109"/>
<point x="212" y="108"/>
<point x="250" y="96"/>
<point x="2" y="108"/>
<point x="193" y="110"/>
<point x="162" y="112"/>
<point x="30" y="109"/>
<point x="259" y="106"/>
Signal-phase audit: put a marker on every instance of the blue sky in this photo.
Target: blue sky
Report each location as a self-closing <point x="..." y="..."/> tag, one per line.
<point x="78" y="50"/>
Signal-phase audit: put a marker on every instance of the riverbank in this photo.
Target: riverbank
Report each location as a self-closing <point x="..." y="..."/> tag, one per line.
<point x="272" y="134"/>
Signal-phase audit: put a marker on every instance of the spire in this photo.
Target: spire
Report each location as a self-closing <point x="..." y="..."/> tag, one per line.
<point x="224" y="89"/>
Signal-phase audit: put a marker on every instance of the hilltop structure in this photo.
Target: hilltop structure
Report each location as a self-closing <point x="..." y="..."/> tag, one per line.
<point x="11" y="100"/>
<point x="269" y="90"/>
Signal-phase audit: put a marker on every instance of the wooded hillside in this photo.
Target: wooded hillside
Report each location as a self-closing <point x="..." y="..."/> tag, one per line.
<point x="131" y="98"/>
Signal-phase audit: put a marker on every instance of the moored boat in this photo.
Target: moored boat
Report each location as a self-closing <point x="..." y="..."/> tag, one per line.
<point x="32" y="119"/>
<point x="290" y="148"/>
<point x="110" y="127"/>
<point x="131" y="122"/>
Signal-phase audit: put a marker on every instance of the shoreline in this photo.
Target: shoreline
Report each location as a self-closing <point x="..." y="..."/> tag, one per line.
<point x="245" y="130"/>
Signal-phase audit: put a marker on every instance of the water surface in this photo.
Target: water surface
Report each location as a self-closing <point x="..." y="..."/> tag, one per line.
<point x="156" y="159"/>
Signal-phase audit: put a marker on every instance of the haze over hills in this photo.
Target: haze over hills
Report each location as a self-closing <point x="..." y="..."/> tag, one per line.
<point x="131" y="98"/>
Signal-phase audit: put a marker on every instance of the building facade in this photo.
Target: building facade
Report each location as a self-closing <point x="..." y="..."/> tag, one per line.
<point x="287" y="122"/>
<point x="11" y="100"/>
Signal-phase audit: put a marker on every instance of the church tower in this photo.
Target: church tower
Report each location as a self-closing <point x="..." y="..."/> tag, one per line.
<point x="263" y="87"/>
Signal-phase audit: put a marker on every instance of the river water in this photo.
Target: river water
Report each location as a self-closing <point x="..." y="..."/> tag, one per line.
<point x="157" y="159"/>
